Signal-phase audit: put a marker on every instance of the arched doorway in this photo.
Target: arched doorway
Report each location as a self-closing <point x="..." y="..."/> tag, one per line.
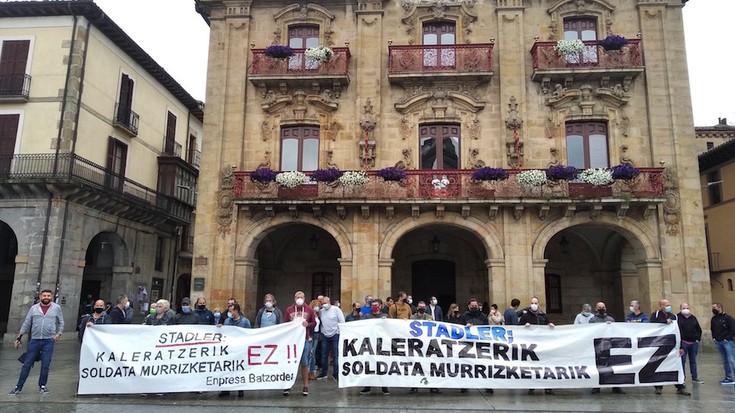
<point x="589" y="263"/>
<point x="183" y="286"/>
<point x="295" y="257"/>
<point x="104" y="252"/>
<point x="443" y="261"/>
<point x="8" y="251"/>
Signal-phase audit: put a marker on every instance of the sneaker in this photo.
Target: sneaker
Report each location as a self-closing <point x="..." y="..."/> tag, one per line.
<point x="385" y="391"/>
<point x="15" y="391"/>
<point x="336" y="377"/>
<point x="549" y="391"/>
<point x="413" y="390"/>
<point x="659" y="391"/>
<point x="531" y="391"/>
<point x="366" y="390"/>
<point x="223" y="394"/>
<point x="683" y="392"/>
<point x="595" y="391"/>
<point x="727" y="382"/>
<point x="321" y="376"/>
<point x="287" y="392"/>
<point x="618" y="390"/>
<point x="697" y="381"/>
<point x="306" y="391"/>
<point x="240" y="393"/>
<point x="43" y="390"/>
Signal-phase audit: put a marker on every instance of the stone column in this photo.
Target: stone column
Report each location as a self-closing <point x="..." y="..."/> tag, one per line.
<point x="369" y="77"/>
<point x="629" y="287"/>
<point x="245" y="285"/>
<point x="498" y="285"/>
<point x="538" y="281"/>
<point x="385" y="277"/>
<point x="650" y="284"/>
<point x="346" y="275"/>
<point x="122" y="282"/>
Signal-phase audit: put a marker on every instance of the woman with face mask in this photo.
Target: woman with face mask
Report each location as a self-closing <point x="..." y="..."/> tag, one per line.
<point x="453" y="314"/>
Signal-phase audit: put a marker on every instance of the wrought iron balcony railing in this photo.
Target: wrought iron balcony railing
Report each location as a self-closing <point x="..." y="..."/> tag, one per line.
<point x="67" y="168"/>
<point x="299" y="65"/>
<point x="171" y="148"/>
<point x="16" y="86"/>
<point x="126" y="119"/>
<point x="420" y="184"/>
<point x="436" y="60"/>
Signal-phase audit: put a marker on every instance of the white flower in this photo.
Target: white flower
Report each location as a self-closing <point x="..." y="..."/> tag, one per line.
<point x="440" y="183"/>
<point x="596" y="176"/>
<point x="533" y="177"/>
<point x="291" y="179"/>
<point x="319" y="54"/>
<point x="565" y="47"/>
<point x="354" y="178"/>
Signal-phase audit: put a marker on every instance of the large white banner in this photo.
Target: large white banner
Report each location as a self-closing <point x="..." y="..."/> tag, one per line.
<point x="426" y="354"/>
<point x="164" y="359"/>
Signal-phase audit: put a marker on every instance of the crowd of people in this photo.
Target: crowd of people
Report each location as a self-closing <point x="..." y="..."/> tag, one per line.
<point x="321" y="318"/>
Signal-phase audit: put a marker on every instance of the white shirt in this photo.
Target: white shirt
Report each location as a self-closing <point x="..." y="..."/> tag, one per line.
<point x="330" y="320"/>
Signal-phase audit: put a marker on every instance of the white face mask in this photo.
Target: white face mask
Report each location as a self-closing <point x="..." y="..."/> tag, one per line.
<point x="127" y="305"/>
<point x="685" y="311"/>
<point x="534" y="307"/>
<point x="410" y="301"/>
<point x="434" y="302"/>
<point x="299" y="301"/>
<point x="325" y="306"/>
<point x="268" y="304"/>
<point x="632" y="309"/>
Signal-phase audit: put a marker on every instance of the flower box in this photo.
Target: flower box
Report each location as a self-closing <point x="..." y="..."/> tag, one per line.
<point x="305" y="191"/>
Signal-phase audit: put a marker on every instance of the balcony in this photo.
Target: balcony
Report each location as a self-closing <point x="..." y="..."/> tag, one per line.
<point x="126" y="119"/>
<point x="297" y="71"/>
<point x="171" y="148"/>
<point x="594" y="64"/>
<point x="28" y="175"/>
<point x="411" y="63"/>
<point x="460" y="194"/>
<point x="14" y="88"/>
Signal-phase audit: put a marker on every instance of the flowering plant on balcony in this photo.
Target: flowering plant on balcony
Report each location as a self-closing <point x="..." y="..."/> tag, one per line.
<point x="354" y="178"/>
<point x="278" y="52"/>
<point x="291" y="179"/>
<point x="533" y="177"/>
<point x="487" y="173"/>
<point x="625" y="172"/>
<point x="567" y="47"/>
<point x="263" y="175"/>
<point x="326" y="175"/>
<point x="561" y="173"/>
<point x="319" y="54"/>
<point x="596" y="176"/>
<point x="613" y="42"/>
<point x="392" y="173"/>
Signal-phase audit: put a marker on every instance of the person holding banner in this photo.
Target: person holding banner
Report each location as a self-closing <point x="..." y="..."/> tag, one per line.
<point x="303" y="314"/>
<point x="187" y="316"/>
<point x="664" y="316"/>
<point x="533" y="315"/>
<point x="601" y="316"/>
<point x="236" y="319"/>
<point x="636" y="315"/>
<point x="453" y="314"/>
<point x="472" y="317"/>
<point x="97" y="317"/>
<point x="269" y="314"/>
<point x="585" y="315"/>
<point x="206" y="317"/>
<point x="160" y="317"/>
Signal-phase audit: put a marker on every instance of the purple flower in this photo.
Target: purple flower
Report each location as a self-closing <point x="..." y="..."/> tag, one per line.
<point x="625" y="172"/>
<point x="279" y="52"/>
<point x="613" y="42"/>
<point x="487" y="173"/>
<point x="326" y="175"/>
<point x="392" y="173"/>
<point x="263" y="175"/>
<point x="561" y="173"/>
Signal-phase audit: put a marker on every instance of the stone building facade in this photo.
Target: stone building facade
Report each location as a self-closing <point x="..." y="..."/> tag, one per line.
<point x="439" y="88"/>
<point x="99" y="149"/>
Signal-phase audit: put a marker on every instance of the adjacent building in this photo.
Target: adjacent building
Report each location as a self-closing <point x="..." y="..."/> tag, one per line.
<point x="709" y="137"/>
<point x="99" y="156"/>
<point x="438" y="89"/>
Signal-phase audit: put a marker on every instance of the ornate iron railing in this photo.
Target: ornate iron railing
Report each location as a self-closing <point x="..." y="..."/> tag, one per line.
<point x="126" y="119"/>
<point x="593" y="56"/>
<point x="426" y="184"/>
<point x="15" y="86"/>
<point x="171" y="148"/>
<point x="460" y="58"/>
<point x="298" y="64"/>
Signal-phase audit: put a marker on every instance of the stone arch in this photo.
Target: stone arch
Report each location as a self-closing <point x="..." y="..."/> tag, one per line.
<point x="252" y="234"/>
<point x="601" y="9"/>
<point x="487" y="237"/>
<point x="635" y="233"/>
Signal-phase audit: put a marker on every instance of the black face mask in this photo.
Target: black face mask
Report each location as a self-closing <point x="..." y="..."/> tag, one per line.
<point x="201" y="306"/>
<point x="715" y="312"/>
<point x="474" y="309"/>
<point x="421" y="310"/>
<point x="601" y="311"/>
<point x="99" y="310"/>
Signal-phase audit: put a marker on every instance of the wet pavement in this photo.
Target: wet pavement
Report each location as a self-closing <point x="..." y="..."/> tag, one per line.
<point x="325" y="396"/>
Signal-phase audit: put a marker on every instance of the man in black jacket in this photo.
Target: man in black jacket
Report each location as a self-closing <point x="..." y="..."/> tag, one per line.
<point x="601" y="316"/>
<point x="664" y="316"/>
<point x="473" y="316"/>
<point x="723" y="329"/>
<point x="117" y="314"/>
<point x="533" y="315"/>
<point x="187" y="315"/>
<point x="691" y="333"/>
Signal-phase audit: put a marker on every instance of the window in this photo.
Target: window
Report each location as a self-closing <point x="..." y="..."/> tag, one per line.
<point x="322" y="283"/>
<point x="8" y="134"/>
<point x="300" y="148"/>
<point x="587" y="145"/>
<point x="714" y="187"/>
<point x="710" y="145"/>
<point x="553" y="293"/>
<point x="302" y="37"/>
<point x="158" y="265"/>
<point x="193" y="155"/>
<point x="117" y="158"/>
<point x="13" y="62"/>
<point x="169" y="145"/>
<point x="584" y="29"/>
<point x="439" y="146"/>
<point x="729" y="284"/>
<point x="124" y="114"/>
<point x="441" y="34"/>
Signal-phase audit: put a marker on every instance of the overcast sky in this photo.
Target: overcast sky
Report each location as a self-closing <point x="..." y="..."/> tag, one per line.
<point x="177" y="37"/>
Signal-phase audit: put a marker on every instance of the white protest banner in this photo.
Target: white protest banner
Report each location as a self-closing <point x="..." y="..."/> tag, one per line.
<point x="164" y="359"/>
<point x="428" y="354"/>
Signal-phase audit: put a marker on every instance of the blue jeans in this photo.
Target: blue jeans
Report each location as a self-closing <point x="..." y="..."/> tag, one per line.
<point x="727" y="354"/>
<point x="44" y="347"/>
<point x="312" y="352"/>
<point x="690" y="350"/>
<point x="330" y="344"/>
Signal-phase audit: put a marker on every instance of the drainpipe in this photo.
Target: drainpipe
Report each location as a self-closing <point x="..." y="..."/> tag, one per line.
<point x="44" y="242"/>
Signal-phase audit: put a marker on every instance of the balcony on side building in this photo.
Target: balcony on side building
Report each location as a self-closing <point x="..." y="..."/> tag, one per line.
<point x="14" y="87"/>
<point x="420" y="191"/>
<point x="298" y="71"/>
<point x="593" y="64"/>
<point x="126" y="120"/>
<point x="411" y="63"/>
